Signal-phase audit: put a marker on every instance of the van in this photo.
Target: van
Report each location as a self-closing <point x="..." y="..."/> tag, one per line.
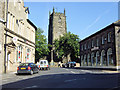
<point x="43" y="65"/>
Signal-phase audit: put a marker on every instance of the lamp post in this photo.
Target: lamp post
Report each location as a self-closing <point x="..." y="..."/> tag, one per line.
<point x="6" y="4"/>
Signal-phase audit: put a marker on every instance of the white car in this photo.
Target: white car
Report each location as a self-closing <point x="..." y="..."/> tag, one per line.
<point x="43" y="65"/>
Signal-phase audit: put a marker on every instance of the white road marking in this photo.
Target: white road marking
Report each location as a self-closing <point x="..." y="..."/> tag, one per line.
<point x="70" y="80"/>
<point x="72" y="72"/>
<point x="32" y="87"/>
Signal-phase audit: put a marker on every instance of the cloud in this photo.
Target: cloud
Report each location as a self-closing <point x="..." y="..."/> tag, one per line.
<point x="97" y="19"/>
<point x="94" y="22"/>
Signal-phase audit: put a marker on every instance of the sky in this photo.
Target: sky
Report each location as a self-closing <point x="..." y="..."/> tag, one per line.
<point x="82" y="18"/>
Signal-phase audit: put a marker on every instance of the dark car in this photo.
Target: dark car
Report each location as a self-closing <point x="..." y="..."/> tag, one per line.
<point x="64" y="65"/>
<point x="69" y="64"/>
<point x="28" y="68"/>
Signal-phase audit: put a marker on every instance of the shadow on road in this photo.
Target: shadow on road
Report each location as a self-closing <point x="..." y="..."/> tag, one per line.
<point x="87" y="80"/>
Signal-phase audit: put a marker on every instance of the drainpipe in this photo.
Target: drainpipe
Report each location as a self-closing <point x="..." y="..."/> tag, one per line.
<point x="6" y="4"/>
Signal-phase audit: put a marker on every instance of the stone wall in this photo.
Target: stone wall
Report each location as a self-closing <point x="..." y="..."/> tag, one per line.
<point x="117" y="37"/>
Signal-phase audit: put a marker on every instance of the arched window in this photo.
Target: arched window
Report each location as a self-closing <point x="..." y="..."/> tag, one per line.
<point x="92" y="58"/>
<point x="82" y="60"/>
<point x="97" y="58"/>
<point x="103" y="59"/>
<point x="28" y="55"/>
<point x="110" y="57"/>
<point x="85" y="60"/>
<point x="88" y="60"/>
<point x="19" y="53"/>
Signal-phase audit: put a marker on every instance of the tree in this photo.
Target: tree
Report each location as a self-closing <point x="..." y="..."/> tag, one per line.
<point x="67" y="45"/>
<point x="41" y="46"/>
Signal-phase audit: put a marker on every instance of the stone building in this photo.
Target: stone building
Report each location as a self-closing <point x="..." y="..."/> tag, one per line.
<point x="2" y="24"/>
<point x="57" y="27"/>
<point x="102" y="49"/>
<point x="19" y="36"/>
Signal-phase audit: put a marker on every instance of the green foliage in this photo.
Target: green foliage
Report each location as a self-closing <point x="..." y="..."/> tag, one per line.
<point x="67" y="44"/>
<point x="41" y="46"/>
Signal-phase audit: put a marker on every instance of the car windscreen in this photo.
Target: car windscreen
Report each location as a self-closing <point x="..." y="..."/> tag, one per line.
<point x="23" y="64"/>
<point x="41" y="62"/>
<point x="44" y="62"/>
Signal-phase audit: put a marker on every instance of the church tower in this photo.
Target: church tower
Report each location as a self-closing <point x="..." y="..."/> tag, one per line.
<point x="57" y="27"/>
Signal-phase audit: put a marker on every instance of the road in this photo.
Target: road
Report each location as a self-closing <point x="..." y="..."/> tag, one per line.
<point x="63" y="78"/>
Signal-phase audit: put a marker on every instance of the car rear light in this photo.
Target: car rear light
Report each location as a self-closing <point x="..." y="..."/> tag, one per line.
<point x="39" y="66"/>
<point x="47" y="65"/>
<point x="17" y="68"/>
<point x="29" y="68"/>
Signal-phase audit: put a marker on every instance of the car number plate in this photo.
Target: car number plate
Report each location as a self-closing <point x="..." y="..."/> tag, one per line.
<point x="23" y="68"/>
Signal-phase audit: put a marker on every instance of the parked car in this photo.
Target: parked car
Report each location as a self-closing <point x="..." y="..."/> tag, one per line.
<point x="43" y="65"/>
<point x="64" y="65"/>
<point x="69" y="64"/>
<point x="29" y="68"/>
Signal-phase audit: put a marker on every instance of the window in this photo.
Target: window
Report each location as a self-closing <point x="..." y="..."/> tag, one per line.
<point x="92" y="59"/>
<point x="19" y="4"/>
<point x="85" y="60"/>
<point x="92" y="43"/>
<point x="103" y="40"/>
<point x="8" y="21"/>
<point x="85" y="46"/>
<point x="109" y="37"/>
<point x="88" y="45"/>
<point x="82" y="61"/>
<point x="13" y="23"/>
<point x="28" y="55"/>
<point x="81" y="47"/>
<point x="14" y="2"/>
<point x="59" y="19"/>
<point x="97" y="58"/>
<point x="103" y="58"/>
<point x="110" y="57"/>
<point x="19" y="53"/>
<point x="88" y="60"/>
<point x="97" y="42"/>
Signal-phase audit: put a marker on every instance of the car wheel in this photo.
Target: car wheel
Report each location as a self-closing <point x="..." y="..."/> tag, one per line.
<point x="31" y="72"/>
<point x="17" y="73"/>
<point x="38" y="71"/>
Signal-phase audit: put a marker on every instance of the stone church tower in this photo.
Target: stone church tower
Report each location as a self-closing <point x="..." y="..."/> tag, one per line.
<point x="57" y="27"/>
